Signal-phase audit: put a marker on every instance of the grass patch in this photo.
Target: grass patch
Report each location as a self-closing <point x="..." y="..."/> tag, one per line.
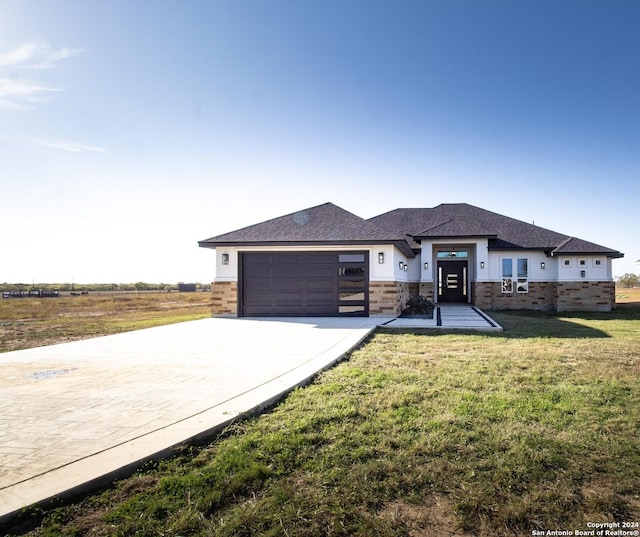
<point x="417" y="433"/>
<point x="33" y="322"/>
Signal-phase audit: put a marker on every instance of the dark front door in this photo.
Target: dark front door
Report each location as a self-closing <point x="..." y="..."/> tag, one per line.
<point x="452" y="281"/>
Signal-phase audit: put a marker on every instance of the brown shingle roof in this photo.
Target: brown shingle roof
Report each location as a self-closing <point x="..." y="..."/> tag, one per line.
<point x="323" y="224"/>
<point x="330" y="224"/>
<point x="459" y="220"/>
<point x="578" y="246"/>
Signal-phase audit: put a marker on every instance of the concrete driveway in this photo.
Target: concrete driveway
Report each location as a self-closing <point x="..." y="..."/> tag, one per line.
<point x="78" y="415"/>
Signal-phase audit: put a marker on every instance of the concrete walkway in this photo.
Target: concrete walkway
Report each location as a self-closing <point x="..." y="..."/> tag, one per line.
<point x="79" y="415"/>
<point x="450" y="316"/>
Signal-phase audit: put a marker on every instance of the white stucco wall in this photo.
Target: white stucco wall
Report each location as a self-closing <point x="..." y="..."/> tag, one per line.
<point x="555" y="268"/>
<point x="535" y="259"/>
<point x="226" y="273"/>
<point x="387" y="271"/>
<point x="572" y="268"/>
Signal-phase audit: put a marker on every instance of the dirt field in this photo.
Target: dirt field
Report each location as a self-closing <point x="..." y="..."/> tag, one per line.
<point x="34" y="322"/>
<point x="628" y="296"/>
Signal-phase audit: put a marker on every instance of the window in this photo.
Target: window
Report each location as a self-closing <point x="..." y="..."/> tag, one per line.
<point x="507" y="268"/>
<point x="351" y="271"/>
<point x="353" y="275"/>
<point x="351" y="296"/>
<point x="507" y="275"/>
<point x="356" y="309"/>
<point x="566" y="262"/>
<point x="522" y="275"/>
<point x="351" y="258"/>
<point x="597" y="262"/>
<point x="583" y="262"/>
<point x="452" y="254"/>
<point x="522" y="268"/>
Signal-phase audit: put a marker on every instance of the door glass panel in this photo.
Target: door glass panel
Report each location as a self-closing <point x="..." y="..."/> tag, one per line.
<point x="351" y="309"/>
<point x="351" y="284"/>
<point x="351" y="296"/>
<point x="464" y="281"/>
<point x="350" y="271"/>
<point x="351" y="258"/>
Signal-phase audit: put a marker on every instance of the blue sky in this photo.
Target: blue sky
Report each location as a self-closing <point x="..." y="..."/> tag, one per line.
<point x="129" y="130"/>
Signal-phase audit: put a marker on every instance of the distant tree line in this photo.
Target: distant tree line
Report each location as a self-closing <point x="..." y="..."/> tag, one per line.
<point x="96" y="287"/>
<point x="628" y="280"/>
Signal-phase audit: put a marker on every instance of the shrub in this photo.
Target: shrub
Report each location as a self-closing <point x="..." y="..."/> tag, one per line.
<point x="418" y="305"/>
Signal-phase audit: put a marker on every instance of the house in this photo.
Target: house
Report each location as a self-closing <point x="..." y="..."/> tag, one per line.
<point x="326" y="261"/>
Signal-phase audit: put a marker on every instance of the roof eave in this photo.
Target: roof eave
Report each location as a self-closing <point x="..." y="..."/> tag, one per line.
<point x="452" y="237"/>
<point x="544" y="249"/>
<point x="612" y="255"/>
<point x="400" y="244"/>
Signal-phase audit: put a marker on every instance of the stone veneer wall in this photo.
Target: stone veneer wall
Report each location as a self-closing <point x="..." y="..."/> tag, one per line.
<point x="541" y="297"/>
<point x="224" y="299"/>
<point x="547" y="296"/>
<point x="481" y="293"/>
<point x="387" y="298"/>
<point x="426" y="289"/>
<point x="585" y="296"/>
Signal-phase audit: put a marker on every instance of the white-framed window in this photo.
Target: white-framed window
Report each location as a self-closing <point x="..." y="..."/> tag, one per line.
<point x="597" y="263"/>
<point x="507" y="275"/>
<point x="582" y="262"/>
<point x="521" y="275"/>
<point x="566" y="263"/>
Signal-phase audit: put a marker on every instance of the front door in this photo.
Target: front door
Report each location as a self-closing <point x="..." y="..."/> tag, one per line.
<point x="452" y="281"/>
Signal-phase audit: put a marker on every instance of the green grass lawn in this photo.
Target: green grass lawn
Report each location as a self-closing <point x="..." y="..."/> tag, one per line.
<point x="417" y="433"/>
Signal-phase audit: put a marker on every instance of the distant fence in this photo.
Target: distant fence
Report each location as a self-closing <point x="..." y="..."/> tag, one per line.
<point x="30" y="294"/>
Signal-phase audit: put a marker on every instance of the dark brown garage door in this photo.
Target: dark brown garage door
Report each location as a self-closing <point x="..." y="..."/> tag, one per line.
<point x="304" y="284"/>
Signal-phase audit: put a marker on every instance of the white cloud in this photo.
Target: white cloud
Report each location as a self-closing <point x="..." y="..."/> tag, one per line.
<point x="35" y="55"/>
<point x="20" y="95"/>
<point x="66" y="145"/>
<point x="63" y="145"/>
<point x="17" y="94"/>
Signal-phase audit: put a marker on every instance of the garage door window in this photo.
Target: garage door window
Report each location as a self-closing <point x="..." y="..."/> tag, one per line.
<point x="351" y="258"/>
<point x="352" y="284"/>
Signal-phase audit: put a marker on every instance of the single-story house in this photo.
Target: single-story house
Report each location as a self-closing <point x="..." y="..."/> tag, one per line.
<point x="326" y="261"/>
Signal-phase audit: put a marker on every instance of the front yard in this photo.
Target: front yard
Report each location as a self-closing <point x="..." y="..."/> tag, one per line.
<point x="431" y="433"/>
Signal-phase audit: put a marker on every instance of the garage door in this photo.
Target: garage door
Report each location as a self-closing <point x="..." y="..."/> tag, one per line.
<point x="304" y="284"/>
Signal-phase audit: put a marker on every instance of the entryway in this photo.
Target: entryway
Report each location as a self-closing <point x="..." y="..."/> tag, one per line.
<point x="449" y="316"/>
<point x="452" y="281"/>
